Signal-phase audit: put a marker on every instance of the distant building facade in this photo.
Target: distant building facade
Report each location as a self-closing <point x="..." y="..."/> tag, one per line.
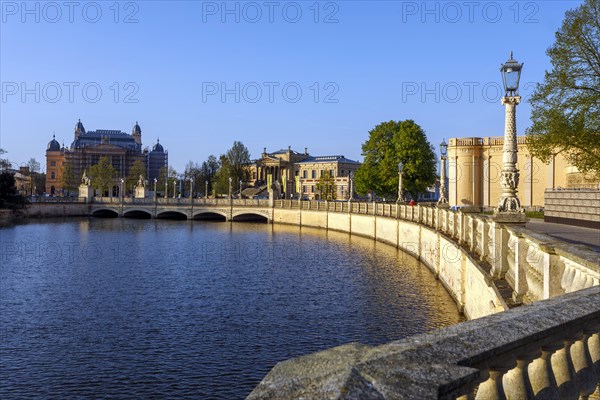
<point x="474" y="166"/>
<point x="88" y="147"/>
<point x="297" y="174"/>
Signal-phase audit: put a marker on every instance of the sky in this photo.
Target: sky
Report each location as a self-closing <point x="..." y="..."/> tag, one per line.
<point x="199" y="75"/>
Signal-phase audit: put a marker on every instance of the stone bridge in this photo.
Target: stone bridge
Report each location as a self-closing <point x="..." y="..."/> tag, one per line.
<point x="196" y="209"/>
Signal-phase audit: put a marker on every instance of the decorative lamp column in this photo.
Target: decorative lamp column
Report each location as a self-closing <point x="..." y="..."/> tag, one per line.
<point x="155" y="181"/>
<point x="443" y="200"/>
<point x="400" y="171"/>
<point x="206" y="189"/>
<point x="230" y="188"/>
<point x="509" y="207"/>
<point x="240" y="188"/>
<point x="122" y="182"/>
<point x="174" y="188"/>
<point x="350" y="188"/>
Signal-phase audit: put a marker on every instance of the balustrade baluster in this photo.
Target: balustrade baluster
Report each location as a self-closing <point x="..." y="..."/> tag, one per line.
<point x="582" y="363"/>
<point x="541" y="375"/>
<point x="564" y="371"/>
<point x="492" y="388"/>
<point x="516" y="382"/>
<point x="594" y="348"/>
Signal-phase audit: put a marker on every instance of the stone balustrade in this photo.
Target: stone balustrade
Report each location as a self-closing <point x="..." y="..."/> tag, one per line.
<point x="546" y="350"/>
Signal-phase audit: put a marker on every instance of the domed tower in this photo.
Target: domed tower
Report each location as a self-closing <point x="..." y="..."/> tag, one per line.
<point x="79" y="129"/>
<point x="53" y="145"/>
<point x="55" y="158"/>
<point x="137" y="134"/>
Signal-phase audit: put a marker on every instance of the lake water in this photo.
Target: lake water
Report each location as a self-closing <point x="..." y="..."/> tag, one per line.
<point x="100" y="308"/>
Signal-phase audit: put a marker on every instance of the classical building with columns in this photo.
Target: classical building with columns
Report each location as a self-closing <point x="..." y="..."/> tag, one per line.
<point x="89" y="146"/>
<point x="474" y="166"/>
<point x="297" y="174"/>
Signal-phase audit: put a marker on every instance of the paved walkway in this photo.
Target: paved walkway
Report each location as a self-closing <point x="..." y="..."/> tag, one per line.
<point x="568" y="233"/>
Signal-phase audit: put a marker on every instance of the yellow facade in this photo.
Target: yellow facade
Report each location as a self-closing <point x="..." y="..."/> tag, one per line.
<point x="474" y="166"/>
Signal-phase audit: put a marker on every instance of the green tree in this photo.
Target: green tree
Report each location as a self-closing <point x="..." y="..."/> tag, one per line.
<point x="326" y="186"/>
<point x="238" y="159"/>
<point x="103" y="175"/>
<point x="566" y="106"/>
<point x="68" y="180"/>
<point x="209" y="170"/>
<point x="4" y="163"/>
<point x="8" y="187"/>
<point x="169" y="175"/>
<point x="137" y="169"/>
<point x="221" y="178"/>
<point x="388" y="144"/>
<point x="193" y="171"/>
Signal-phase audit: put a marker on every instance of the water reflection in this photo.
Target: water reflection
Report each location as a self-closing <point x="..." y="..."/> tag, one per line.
<point x="136" y="308"/>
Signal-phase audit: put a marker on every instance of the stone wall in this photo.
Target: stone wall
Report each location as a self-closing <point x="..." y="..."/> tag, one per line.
<point x="37" y="210"/>
<point x="574" y="207"/>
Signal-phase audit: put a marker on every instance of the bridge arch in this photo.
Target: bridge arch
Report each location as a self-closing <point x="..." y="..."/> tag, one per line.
<point x="137" y="214"/>
<point x="172" y="214"/>
<point x="249" y="216"/>
<point x="105" y="213"/>
<point x="209" y="216"/>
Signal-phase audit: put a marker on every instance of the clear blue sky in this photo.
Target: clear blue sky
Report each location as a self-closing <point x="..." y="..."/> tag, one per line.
<point x="434" y="62"/>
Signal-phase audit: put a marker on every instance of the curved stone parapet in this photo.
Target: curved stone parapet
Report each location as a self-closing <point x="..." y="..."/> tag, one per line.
<point x="544" y="350"/>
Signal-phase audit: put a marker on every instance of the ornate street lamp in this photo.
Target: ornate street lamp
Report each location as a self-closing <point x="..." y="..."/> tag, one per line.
<point x="192" y="188"/>
<point x="400" y="171"/>
<point x="174" y="187"/>
<point x="509" y="207"/>
<point x="206" y="189"/>
<point x="122" y="182"/>
<point x="443" y="200"/>
<point x="230" y="188"/>
<point x="350" y="188"/>
<point x="155" y="180"/>
<point x="240" y="188"/>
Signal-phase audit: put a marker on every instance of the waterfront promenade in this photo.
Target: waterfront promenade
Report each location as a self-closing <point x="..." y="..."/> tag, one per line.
<point x="568" y="233"/>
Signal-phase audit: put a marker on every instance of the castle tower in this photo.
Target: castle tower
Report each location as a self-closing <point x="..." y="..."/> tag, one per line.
<point x="137" y="133"/>
<point x="79" y="129"/>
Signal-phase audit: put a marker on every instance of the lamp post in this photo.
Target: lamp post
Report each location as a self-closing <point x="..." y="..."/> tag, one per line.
<point x="206" y="189"/>
<point x="509" y="207"/>
<point x="192" y="196"/>
<point x="350" y="188"/>
<point x="174" y="188"/>
<point x="229" y="188"/>
<point x="240" y="188"/>
<point x="155" y="180"/>
<point x="122" y="182"/>
<point x="400" y="171"/>
<point x="443" y="200"/>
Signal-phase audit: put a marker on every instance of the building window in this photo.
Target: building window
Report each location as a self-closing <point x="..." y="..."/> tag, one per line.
<point x="312" y="188"/>
<point x="332" y="173"/>
<point x="53" y="163"/>
<point x="305" y="174"/>
<point x="53" y="175"/>
<point x="254" y="175"/>
<point x="303" y="189"/>
<point x="314" y="174"/>
<point x="322" y="172"/>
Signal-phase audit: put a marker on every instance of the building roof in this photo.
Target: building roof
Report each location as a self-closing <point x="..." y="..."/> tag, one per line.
<point x="158" y="147"/>
<point x="328" y="159"/>
<point x="53" y="145"/>
<point x="114" y="137"/>
<point x="284" y="151"/>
